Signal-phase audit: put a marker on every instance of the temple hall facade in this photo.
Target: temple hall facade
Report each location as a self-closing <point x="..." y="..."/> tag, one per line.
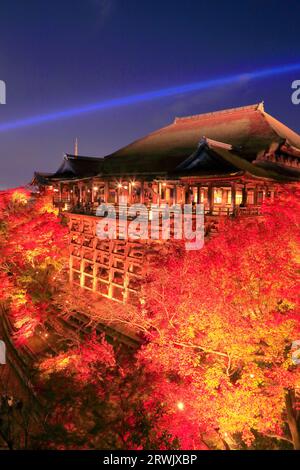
<point x="230" y="161"/>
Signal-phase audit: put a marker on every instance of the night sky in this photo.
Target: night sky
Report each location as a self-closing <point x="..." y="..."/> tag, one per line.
<point x="60" y="54"/>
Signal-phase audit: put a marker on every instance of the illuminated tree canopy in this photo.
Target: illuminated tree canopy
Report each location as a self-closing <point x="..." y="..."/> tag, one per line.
<point x="213" y="369"/>
<point x="222" y="324"/>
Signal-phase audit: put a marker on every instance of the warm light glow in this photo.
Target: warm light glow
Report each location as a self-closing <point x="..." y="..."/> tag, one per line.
<point x="180" y="405"/>
<point x="120" y="185"/>
<point x="218" y="196"/>
<point x="228" y="194"/>
<point x="95" y="188"/>
<point x="238" y="197"/>
<point x="19" y="197"/>
<point x="63" y="362"/>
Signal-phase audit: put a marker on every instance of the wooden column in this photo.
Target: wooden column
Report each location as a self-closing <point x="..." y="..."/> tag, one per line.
<point x="92" y="189"/>
<point x="80" y="193"/>
<point x="106" y="191"/>
<point x="158" y="192"/>
<point x="186" y="194"/>
<point x="178" y="194"/>
<point x="142" y="193"/>
<point x="60" y="197"/>
<point x="233" y="194"/>
<point x="72" y="194"/>
<point x="175" y="194"/>
<point x="255" y="195"/>
<point x="60" y="192"/>
<point x="129" y="192"/>
<point x="244" y="196"/>
<point x="210" y="194"/>
<point x="224" y="197"/>
<point x="198" y="194"/>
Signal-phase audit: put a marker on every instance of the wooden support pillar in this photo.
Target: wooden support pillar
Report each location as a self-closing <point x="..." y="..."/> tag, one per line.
<point x="80" y="193"/>
<point x="233" y="194"/>
<point x="158" y="192"/>
<point x="89" y="193"/>
<point x="210" y="195"/>
<point x="224" y="196"/>
<point x="175" y="194"/>
<point x="186" y="194"/>
<point x="198" y="194"/>
<point x="129" y="192"/>
<point x="106" y="191"/>
<point x="142" y="196"/>
<point x="178" y="194"/>
<point x="244" y="196"/>
<point x="255" y="191"/>
<point x="92" y="189"/>
<point x="60" y="197"/>
<point x="182" y="193"/>
<point x="73" y="195"/>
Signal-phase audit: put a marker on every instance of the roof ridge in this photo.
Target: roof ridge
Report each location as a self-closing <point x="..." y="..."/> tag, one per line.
<point x="216" y="143"/>
<point x="69" y="156"/>
<point x="254" y="107"/>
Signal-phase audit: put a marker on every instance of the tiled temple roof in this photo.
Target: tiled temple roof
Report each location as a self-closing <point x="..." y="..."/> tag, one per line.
<point x="249" y="130"/>
<point x="213" y="158"/>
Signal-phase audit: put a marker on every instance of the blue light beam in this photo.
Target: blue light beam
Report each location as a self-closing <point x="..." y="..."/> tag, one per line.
<point x="147" y="96"/>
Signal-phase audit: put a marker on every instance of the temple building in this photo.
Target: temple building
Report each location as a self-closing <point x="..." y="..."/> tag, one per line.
<point x="228" y="160"/>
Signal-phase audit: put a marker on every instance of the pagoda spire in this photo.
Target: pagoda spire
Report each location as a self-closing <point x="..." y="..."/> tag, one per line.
<point x="76" y="147"/>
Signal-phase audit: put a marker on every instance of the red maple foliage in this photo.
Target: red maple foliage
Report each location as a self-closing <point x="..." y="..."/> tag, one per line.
<point x="221" y="322"/>
<point x="32" y="252"/>
<point x="89" y="399"/>
<point x="215" y="369"/>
